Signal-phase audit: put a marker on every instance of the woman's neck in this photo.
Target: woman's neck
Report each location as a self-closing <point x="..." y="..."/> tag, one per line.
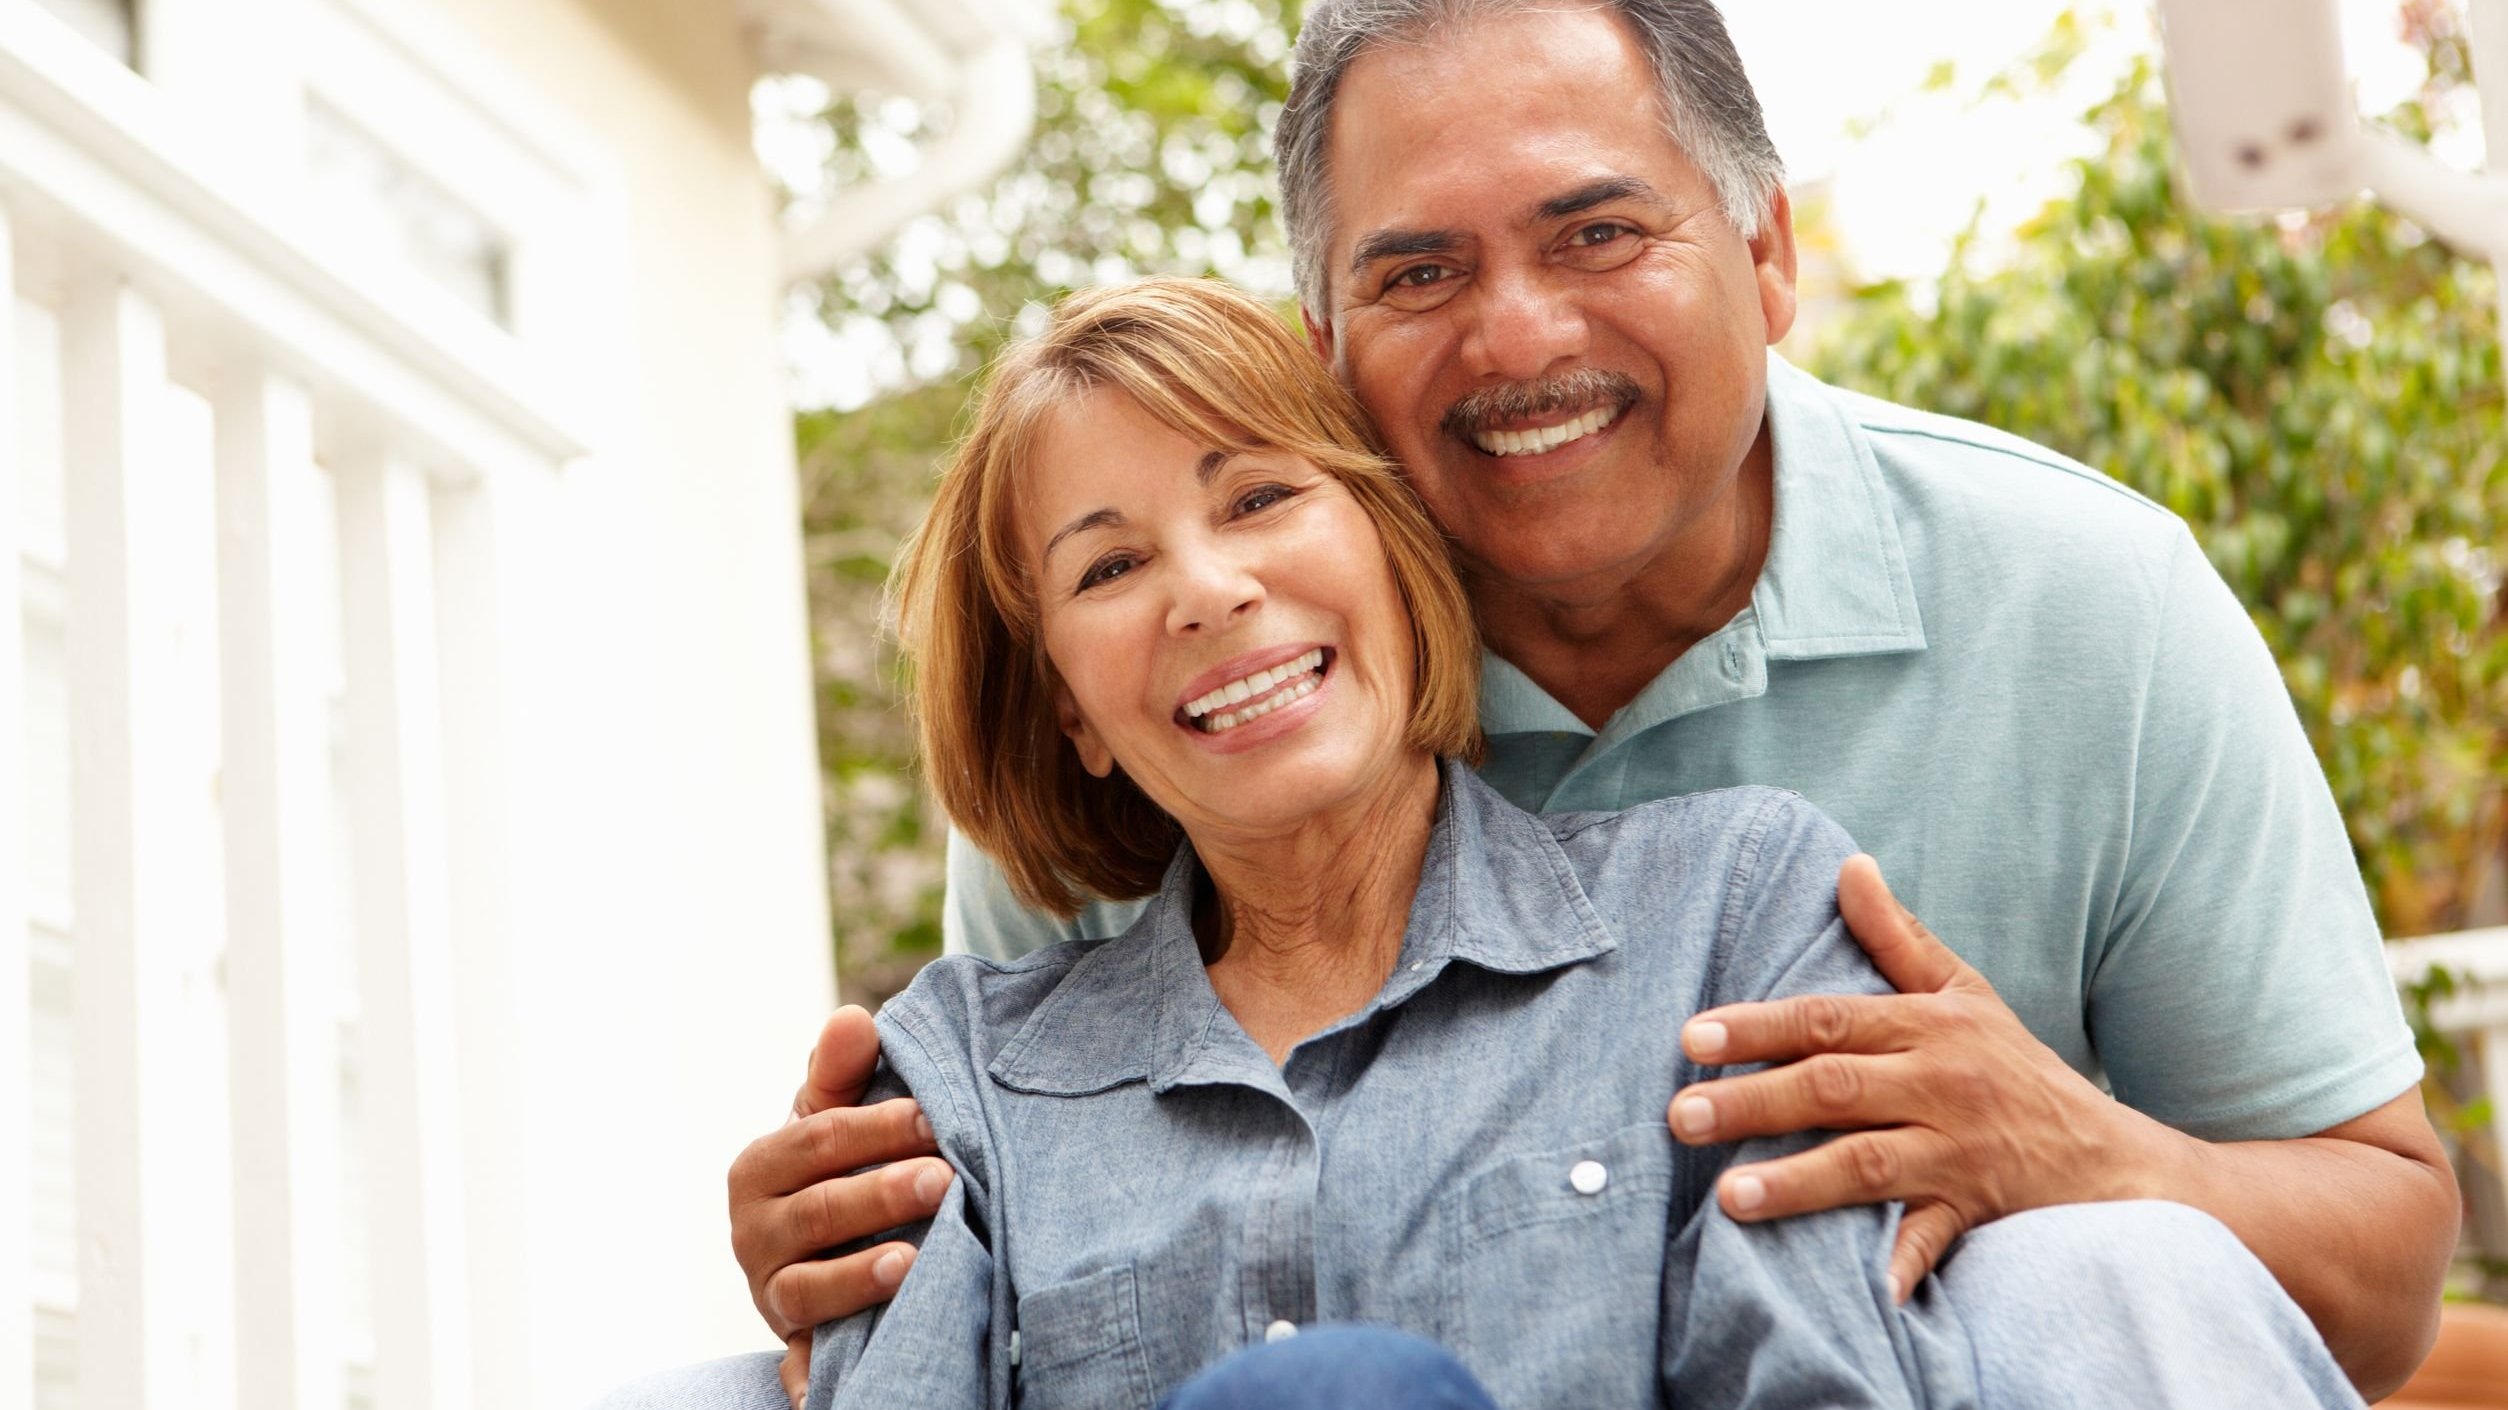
<point x="1306" y="925"/>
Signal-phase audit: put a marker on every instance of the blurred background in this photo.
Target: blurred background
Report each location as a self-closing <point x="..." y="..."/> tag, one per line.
<point x="457" y="445"/>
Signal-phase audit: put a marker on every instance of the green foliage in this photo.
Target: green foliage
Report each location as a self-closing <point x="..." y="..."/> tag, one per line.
<point x="1151" y="155"/>
<point x="2322" y="400"/>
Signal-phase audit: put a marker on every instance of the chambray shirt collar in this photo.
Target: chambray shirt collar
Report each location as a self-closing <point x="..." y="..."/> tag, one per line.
<point x="1495" y="892"/>
<point x="1836" y="582"/>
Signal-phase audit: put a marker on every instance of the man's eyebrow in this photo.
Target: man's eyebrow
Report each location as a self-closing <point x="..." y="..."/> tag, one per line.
<point x="1596" y="193"/>
<point x="1094" y="519"/>
<point x="1395" y="244"/>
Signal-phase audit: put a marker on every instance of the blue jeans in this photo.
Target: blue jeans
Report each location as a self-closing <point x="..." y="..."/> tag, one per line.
<point x="2138" y="1304"/>
<point x="1347" y="1367"/>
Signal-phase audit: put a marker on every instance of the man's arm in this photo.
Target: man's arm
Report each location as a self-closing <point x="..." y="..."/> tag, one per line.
<point x="1955" y="1108"/>
<point x="802" y="1189"/>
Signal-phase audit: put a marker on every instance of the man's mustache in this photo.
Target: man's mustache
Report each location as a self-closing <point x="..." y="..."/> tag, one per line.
<point x="1578" y="390"/>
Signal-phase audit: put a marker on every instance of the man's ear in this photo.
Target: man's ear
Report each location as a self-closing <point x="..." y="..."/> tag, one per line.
<point x="1092" y="750"/>
<point x="1318" y="334"/>
<point x="1772" y="265"/>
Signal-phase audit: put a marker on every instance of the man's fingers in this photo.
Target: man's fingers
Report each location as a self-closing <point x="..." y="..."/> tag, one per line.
<point x="1925" y="1233"/>
<point x="841" y="1062"/>
<point x="1831" y="1092"/>
<point x="1911" y="957"/>
<point x="854" y="1207"/>
<point x="795" y="1370"/>
<point x="1865" y="1167"/>
<point x="838" y="1141"/>
<point x="1781" y="1030"/>
<point x="824" y="1289"/>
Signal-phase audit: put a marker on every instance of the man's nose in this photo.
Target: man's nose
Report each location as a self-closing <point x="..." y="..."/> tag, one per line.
<point x="1524" y="326"/>
<point x="1214" y="589"/>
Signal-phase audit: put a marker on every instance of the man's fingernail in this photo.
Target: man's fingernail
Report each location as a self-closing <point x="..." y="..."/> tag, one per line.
<point x="1706" y="1038"/>
<point x="1696" y="1116"/>
<point x="1898" y="1290"/>
<point x="1748" y="1193"/>
<point x="890" y="1270"/>
<point x="931" y="1185"/>
<point x="922" y="1126"/>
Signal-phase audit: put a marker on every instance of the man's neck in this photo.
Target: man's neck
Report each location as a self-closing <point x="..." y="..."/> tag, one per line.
<point x="1593" y="643"/>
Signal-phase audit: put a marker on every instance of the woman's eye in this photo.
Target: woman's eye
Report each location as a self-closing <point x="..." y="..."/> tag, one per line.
<point x="1105" y="570"/>
<point x="1256" y="500"/>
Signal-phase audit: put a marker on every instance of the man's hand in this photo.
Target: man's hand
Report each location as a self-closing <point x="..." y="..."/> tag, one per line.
<point x="1951" y="1104"/>
<point x="802" y="1189"/>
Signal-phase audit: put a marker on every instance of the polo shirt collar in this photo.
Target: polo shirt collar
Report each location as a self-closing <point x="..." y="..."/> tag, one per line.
<point x="1836" y="581"/>
<point x="1495" y="892"/>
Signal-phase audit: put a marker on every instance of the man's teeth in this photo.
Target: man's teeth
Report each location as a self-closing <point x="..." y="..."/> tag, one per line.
<point x="1262" y="684"/>
<point x="1545" y="438"/>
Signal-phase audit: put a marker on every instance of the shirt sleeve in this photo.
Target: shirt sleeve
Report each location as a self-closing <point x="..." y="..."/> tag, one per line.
<point x="934" y="1344"/>
<point x="2241" y="992"/>
<point x="981" y="916"/>
<point x="1794" y="1312"/>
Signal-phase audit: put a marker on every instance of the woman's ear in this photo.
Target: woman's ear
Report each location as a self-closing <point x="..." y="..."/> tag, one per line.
<point x="1094" y="756"/>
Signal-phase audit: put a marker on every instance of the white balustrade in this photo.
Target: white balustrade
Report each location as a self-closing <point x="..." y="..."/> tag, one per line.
<point x="282" y="993"/>
<point x="351" y="449"/>
<point x="2472" y="1012"/>
<point x="17" y="1038"/>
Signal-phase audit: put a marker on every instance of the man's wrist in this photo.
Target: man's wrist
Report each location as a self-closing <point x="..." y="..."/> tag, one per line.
<point x="2146" y="1159"/>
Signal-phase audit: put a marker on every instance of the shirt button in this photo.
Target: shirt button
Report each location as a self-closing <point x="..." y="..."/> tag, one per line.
<point x="1280" y="1331"/>
<point x="1588" y="1177"/>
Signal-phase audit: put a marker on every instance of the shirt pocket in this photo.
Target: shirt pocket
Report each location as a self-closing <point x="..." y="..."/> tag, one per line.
<point x="1554" y="1288"/>
<point x="1080" y="1344"/>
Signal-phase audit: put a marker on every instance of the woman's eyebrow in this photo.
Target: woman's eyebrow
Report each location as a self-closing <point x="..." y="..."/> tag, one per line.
<point x="1094" y="519"/>
<point x="1210" y="464"/>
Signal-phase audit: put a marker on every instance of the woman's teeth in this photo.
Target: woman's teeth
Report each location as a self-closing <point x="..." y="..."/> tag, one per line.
<point x="1546" y="438"/>
<point x="1260" y="693"/>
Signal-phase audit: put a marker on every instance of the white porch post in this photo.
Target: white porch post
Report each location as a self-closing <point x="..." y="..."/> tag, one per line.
<point x="280" y="980"/>
<point x="113" y="388"/>
<point x="475" y="603"/>
<point x="17" y="1256"/>
<point x="406" y="1051"/>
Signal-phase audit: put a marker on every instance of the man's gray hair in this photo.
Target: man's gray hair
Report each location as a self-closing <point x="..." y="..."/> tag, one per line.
<point x="1708" y="104"/>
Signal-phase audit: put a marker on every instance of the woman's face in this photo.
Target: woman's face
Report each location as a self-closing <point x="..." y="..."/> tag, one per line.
<point x="1226" y="626"/>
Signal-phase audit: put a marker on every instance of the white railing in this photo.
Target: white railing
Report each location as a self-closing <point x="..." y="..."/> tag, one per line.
<point x="256" y="502"/>
<point x="2470" y="1009"/>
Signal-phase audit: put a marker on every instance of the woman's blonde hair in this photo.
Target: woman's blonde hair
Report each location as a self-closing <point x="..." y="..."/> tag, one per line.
<point x="1219" y="368"/>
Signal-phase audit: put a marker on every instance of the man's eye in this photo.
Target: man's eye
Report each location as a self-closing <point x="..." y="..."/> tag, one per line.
<point x="1105" y="570"/>
<point x="1599" y="234"/>
<point x="1418" y="276"/>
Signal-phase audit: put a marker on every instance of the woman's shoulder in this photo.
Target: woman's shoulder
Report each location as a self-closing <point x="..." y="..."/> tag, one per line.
<point x="1743" y="818"/>
<point x="975" y="1003"/>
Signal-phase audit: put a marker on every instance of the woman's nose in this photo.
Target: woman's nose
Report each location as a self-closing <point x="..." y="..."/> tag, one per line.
<point x="1213" y="590"/>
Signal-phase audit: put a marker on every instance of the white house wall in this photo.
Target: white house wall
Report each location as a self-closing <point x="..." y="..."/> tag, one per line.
<point x="668" y="909"/>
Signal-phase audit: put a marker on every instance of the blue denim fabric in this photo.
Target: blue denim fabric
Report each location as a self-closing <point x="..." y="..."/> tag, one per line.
<point x="1142" y="1191"/>
<point x="1480" y="1156"/>
<point x="1336" y="1368"/>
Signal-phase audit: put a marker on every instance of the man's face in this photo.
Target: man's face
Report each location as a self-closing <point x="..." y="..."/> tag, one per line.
<point x="1533" y="291"/>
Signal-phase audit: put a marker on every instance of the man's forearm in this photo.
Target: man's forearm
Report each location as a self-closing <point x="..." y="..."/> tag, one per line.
<point x="2357" y="1223"/>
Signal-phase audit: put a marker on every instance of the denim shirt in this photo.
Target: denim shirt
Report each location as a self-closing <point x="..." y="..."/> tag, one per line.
<point x="1480" y="1154"/>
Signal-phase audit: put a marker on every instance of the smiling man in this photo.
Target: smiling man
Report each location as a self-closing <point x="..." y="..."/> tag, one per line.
<point x="1549" y="249"/>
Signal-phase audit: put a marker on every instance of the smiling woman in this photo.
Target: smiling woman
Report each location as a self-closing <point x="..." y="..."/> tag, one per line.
<point x="1174" y="427"/>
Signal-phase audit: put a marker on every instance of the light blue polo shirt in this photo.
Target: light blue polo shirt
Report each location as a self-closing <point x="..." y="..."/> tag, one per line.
<point x="2023" y="688"/>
